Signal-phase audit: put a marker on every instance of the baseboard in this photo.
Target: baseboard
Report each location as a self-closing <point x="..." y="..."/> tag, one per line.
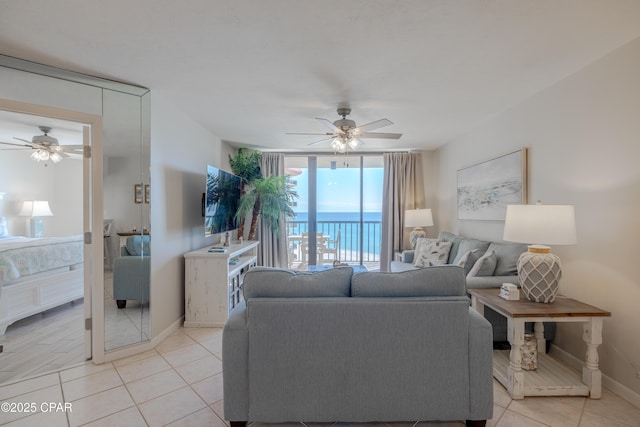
<point x="168" y="331"/>
<point x="608" y="382"/>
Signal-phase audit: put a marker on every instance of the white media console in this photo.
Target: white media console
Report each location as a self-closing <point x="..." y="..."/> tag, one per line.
<point x="213" y="282"/>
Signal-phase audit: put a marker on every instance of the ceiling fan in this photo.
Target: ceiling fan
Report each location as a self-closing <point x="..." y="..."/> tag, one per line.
<point x="345" y="134"/>
<point x="46" y="147"/>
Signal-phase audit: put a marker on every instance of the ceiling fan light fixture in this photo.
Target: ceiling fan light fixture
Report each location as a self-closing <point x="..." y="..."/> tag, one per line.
<point x="354" y="143"/>
<point x="55" y="157"/>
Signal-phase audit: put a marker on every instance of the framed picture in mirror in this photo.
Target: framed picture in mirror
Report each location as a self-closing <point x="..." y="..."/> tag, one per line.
<point x="137" y="193"/>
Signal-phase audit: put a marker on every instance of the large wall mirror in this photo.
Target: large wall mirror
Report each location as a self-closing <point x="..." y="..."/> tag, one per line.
<point x="121" y="318"/>
<point x="127" y="227"/>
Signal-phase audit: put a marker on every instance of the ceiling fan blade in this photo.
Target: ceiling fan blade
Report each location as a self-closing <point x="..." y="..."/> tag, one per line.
<point x="375" y="125"/>
<point x="322" y="140"/>
<point x="17" y="145"/>
<point x="380" y="135"/>
<point x="31" y="144"/>
<point x="70" y="148"/>
<point x="302" y="133"/>
<point x="330" y="125"/>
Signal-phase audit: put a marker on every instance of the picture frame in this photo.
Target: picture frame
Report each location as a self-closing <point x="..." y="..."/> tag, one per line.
<point x="147" y="193"/>
<point x="137" y="193"/>
<point x="485" y="189"/>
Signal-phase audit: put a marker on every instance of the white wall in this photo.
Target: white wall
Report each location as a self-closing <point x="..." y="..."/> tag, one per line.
<point x="583" y="136"/>
<point x="180" y="152"/>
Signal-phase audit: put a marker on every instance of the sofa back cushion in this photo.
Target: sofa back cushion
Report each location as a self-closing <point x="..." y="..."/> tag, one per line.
<point x="507" y="255"/>
<point x="455" y="242"/>
<point x="467" y="245"/>
<point x="445" y="280"/>
<point x="266" y="282"/>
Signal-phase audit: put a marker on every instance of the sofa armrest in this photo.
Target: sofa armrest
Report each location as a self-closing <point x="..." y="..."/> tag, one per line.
<point x="235" y="365"/>
<point x="480" y="365"/>
<point x="407" y="256"/>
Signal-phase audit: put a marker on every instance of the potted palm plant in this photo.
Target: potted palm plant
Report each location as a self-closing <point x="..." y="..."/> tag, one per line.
<point x="269" y="198"/>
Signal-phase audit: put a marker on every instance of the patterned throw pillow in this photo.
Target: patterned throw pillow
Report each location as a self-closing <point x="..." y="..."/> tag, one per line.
<point x="485" y="266"/>
<point x="431" y="252"/>
<point x="468" y="260"/>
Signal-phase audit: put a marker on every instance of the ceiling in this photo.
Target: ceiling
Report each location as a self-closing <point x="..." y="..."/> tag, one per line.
<point x="250" y="70"/>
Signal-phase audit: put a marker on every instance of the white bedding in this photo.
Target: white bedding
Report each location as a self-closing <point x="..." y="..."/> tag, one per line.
<point x="23" y="256"/>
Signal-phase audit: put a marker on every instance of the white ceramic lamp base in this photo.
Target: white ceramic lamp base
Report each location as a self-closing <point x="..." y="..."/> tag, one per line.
<point x="539" y="272"/>
<point x="415" y="234"/>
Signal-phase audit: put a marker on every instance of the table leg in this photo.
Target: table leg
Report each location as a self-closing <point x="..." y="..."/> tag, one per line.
<point x="477" y="305"/>
<point x="515" y="374"/>
<point x="538" y="328"/>
<point x="591" y="375"/>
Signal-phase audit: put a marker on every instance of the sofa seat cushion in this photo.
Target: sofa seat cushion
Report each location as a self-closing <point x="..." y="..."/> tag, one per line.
<point x="431" y="252"/>
<point x="445" y="280"/>
<point x="266" y="282"/>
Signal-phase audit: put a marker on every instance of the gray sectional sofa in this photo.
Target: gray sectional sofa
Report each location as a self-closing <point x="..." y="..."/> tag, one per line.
<point x="334" y="346"/>
<point x="505" y="271"/>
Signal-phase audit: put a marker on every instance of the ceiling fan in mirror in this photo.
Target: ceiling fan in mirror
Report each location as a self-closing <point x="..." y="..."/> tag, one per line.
<point x="345" y="134"/>
<point x="45" y="147"/>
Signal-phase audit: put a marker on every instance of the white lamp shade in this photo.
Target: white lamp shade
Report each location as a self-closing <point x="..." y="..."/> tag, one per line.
<point x="418" y="218"/>
<point x="540" y="224"/>
<point x="34" y="208"/>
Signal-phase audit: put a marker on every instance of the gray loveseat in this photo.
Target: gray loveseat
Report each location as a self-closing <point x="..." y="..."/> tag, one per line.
<point x="334" y="346"/>
<point x="505" y="271"/>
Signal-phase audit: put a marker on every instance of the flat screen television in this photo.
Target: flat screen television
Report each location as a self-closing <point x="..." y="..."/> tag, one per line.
<point x="220" y="201"/>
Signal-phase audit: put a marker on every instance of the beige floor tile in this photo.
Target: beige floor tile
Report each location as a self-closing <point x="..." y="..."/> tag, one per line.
<point x="135" y="358"/>
<point x="213" y="344"/>
<point x="35" y="398"/>
<point x="27" y="386"/>
<point x="500" y="395"/>
<point x="614" y="407"/>
<point x="91" y="384"/>
<point x="174" y="341"/>
<point x="185" y="354"/>
<point x="48" y="419"/>
<point x="593" y="420"/>
<point x="202" y="334"/>
<point x="204" y="417"/>
<point x="547" y="410"/>
<point x="218" y="408"/>
<point x="210" y="389"/>
<point x="200" y="369"/>
<point x="513" y="419"/>
<point x="171" y="407"/>
<point x="99" y="405"/>
<point x="142" y="368"/>
<point x="498" y="411"/>
<point x="129" y="417"/>
<point x="83" y="370"/>
<point x="155" y="385"/>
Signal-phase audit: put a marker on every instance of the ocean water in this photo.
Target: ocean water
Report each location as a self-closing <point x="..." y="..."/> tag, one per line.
<point x="350" y="227"/>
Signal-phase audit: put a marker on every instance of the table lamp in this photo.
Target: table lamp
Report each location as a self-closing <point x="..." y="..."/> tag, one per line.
<point x="417" y="218"/>
<point x="35" y="209"/>
<point x="539" y="270"/>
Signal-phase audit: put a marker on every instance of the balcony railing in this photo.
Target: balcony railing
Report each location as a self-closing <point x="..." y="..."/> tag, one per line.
<point x="353" y="248"/>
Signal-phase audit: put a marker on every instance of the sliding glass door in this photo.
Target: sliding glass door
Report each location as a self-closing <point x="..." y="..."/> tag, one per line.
<point x="338" y="212"/>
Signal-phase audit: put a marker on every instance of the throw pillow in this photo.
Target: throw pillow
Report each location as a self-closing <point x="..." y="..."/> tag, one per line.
<point x="431" y="252"/>
<point x="468" y="260"/>
<point x="4" y="231"/>
<point x="266" y="282"/>
<point x="485" y="266"/>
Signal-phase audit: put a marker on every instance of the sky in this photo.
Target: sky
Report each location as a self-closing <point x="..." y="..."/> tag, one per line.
<point x="338" y="190"/>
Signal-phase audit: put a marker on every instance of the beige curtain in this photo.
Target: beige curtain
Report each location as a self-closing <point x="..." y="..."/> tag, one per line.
<point x="403" y="188"/>
<point x="272" y="251"/>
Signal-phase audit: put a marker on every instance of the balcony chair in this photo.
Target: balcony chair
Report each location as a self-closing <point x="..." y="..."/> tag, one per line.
<point x="332" y="247"/>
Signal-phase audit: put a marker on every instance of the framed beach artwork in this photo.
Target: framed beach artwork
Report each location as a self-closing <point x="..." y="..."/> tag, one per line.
<point x="485" y="189"/>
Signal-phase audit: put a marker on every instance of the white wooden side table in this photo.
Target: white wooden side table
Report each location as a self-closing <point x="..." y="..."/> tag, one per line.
<point x="551" y="378"/>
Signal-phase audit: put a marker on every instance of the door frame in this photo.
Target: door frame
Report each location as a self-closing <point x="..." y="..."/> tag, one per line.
<point x="92" y="214"/>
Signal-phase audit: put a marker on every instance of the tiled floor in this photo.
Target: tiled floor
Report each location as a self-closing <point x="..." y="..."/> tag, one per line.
<point x="179" y="383"/>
